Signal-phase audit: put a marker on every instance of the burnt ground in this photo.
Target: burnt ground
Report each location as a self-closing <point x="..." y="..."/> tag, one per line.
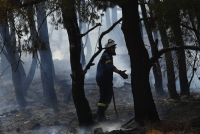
<point x="177" y="116"/>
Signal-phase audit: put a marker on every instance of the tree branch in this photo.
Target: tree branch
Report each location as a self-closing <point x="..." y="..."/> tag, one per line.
<point x="4" y="53"/>
<point x="100" y="46"/>
<point x="46" y="17"/>
<point x="162" y="51"/>
<point x="7" y="68"/>
<point x="188" y="27"/>
<point x="193" y="69"/>
<point x="81" y="35"/>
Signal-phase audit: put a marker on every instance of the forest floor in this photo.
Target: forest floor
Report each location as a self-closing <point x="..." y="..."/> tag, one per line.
<point x="177" y="116"/>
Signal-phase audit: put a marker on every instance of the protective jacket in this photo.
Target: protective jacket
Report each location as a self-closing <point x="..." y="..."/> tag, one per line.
<point x="105" y="68"/>
<point x="104" y="78"/>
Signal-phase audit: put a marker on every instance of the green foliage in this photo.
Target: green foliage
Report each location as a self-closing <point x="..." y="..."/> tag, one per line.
<point x="178" y="13"/>
<point x="18" y="13"/>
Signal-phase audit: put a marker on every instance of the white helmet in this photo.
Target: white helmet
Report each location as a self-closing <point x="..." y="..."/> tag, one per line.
<point x="110" y="43"/>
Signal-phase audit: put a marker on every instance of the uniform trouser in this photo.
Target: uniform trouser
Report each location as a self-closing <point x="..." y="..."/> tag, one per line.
<point x="105" y="90"/>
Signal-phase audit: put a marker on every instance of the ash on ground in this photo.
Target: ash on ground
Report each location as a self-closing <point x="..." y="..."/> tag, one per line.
<point x="36" y="118"/>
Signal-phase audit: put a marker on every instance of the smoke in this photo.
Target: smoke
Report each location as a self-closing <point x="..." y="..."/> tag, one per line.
<point x="106" y="126"/>
<point x="54" y="130"/>
<point x="118" y="81"/>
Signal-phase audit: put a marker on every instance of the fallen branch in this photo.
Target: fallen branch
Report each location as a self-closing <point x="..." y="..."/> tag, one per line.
<point x="100" y="46"/>
<point x="127" y="122"/>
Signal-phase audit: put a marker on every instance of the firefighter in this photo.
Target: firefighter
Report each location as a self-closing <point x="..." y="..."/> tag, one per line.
<point x="104" y="78"/>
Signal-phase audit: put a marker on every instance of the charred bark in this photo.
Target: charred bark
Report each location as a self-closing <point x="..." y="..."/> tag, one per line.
<point x="169" y="63"/>
<point x="81" y="103"/>
<point x="144" y="105"/>
<point x="175" y="25"/>
<point x="156" y="68"/>
<point x="194" y="27"/>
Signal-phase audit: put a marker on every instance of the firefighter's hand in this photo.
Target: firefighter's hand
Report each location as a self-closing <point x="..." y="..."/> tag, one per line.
<point x="123" y="74"/>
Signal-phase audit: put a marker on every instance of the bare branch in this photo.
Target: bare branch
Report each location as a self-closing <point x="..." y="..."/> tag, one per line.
<point x="100" y="46"/>
<point x="46" y="17"/>
<point x="7" y="68"/>
<point x="162" y="51"/>
<point x="98" y="24"/>
<point x="188" y="27"/>
<point x="4" y="53"/>
<point x="107" y="31"/>
<point x="193" y="69"/>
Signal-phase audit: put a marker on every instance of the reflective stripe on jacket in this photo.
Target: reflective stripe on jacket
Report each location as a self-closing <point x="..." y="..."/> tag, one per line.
<point x="105" y="68"/>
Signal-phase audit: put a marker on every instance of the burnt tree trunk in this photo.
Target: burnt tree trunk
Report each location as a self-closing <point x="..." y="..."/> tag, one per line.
<point x="156" y="68"/>
<point x="169" y="63"/>
<point x="144" y="105"/>
<point x="81" y="103"/>
<point x="175" y="25"/>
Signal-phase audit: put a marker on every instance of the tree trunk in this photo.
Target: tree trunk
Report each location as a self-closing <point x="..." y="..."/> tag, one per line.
<point x="30" y="75"/>
<point x="169" y="63"/>
<point x="116" y="31"/>
<point x="46" y="58"/>
<point x="144" y="105"/>
<point x="156" y="68"/>
<point x="175" y="25"/>
<point x="13" y="41"/>
<point x="108" y="22"/>
<point x="141" y="30"/>
<point x="16" y="75"/>
<point x="32" y="70"/>
<point x="194" y="27"/>
<point x="87" y="43"/>
<point x="198" y="20"/>
<point x="83" y="62"/>
<point x="81" y="103"/>
<point x="4" y="65"/>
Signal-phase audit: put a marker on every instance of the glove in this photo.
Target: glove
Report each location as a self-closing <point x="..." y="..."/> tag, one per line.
<point x="123" y="74"/>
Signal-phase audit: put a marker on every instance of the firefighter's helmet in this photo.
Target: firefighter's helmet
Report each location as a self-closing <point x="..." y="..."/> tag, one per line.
<point x="110" y="43"/>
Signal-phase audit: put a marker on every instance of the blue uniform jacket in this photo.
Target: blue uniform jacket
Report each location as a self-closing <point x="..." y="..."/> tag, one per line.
<point x="105" y="68"/>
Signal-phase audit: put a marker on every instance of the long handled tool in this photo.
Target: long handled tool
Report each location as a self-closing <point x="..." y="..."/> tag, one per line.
<point x="114" y="104"/>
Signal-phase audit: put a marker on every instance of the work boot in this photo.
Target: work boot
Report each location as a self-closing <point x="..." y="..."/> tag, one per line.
<point x="102" y="118"/>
